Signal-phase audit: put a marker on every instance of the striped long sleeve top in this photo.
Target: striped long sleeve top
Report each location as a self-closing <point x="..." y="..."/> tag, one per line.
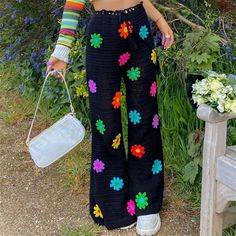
<point x="69" y="24"/>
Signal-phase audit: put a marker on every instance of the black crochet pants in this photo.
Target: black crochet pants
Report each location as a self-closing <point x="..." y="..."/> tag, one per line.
<point x="120" y="46"/>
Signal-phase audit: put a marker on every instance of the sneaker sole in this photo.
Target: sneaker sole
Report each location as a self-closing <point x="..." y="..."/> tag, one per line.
<point x="129" y="226"/>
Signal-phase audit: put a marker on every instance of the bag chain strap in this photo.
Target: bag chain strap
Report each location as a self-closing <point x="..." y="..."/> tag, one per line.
<point x="40" y="96"/>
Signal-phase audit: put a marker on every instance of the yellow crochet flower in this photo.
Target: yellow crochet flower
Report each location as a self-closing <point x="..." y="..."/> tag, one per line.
<point x="116" y="141"/>
<point x="154" y="56"/>
<point x="97" y="212"/>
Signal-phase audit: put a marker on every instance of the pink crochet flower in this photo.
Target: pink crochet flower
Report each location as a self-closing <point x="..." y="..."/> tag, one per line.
<point x="124" y="58"/>
<point x="92" y="86"/>
<point x="98" y="165"/>
<point x="155" y="121"/>
<point x="153" y="89"/>
<point x="131" y="207"/>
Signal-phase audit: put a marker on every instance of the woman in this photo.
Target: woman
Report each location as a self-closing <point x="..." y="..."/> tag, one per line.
<point x="119" y="45"/>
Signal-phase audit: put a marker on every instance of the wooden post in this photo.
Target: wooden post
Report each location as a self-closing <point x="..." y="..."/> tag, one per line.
<point x="211" y="223"/>
<point x="218" y="173"/>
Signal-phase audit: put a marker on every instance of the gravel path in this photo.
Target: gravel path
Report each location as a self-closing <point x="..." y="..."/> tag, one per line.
<point x="36" y="202"/>
<point x="32" y="202"/>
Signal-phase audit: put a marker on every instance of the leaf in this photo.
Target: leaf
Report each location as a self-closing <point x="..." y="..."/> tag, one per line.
<point x="198" y="160"/>
<point x="190" y="172"/>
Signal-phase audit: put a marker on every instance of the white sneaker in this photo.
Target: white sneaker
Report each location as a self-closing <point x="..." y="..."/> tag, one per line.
<point x="129" y="226"/>
<point x="148" y="225"/>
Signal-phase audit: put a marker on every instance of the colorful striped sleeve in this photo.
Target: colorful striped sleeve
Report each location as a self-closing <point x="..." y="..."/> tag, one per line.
<point x="68" y="28"/>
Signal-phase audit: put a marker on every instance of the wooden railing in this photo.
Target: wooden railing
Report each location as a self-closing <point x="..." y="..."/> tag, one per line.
<point x="219" y="174"/>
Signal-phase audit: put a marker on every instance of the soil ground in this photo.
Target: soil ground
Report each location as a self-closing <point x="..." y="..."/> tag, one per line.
<point x="37" y="202"/>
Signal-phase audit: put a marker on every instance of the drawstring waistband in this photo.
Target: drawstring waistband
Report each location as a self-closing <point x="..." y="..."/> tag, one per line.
<point x="117" y="12"/>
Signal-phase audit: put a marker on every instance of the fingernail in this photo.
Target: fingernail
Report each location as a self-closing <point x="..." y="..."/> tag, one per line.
<point x="49" y="63"/>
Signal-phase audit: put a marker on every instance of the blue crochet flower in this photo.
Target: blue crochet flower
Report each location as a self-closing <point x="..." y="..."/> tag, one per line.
<point x="135" y="117"/>
<point x="117" y="183"/>
<point x="156" y="167"/>
<point x="143" y="32"/>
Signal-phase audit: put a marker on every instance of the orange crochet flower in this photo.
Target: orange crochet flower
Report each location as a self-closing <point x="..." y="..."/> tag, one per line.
<point x="137" y="150"/>
<point x="125" y="29"/>
<point x="116" y="100"/>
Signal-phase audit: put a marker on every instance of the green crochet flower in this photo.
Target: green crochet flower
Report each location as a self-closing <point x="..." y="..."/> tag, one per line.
<point x="141" y="200"/>
<point x="100" y="126"/>
<point x="133" y="73"/>
<point x="96" y="40"/>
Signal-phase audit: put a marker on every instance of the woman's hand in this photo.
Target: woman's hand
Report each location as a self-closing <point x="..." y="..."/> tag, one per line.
<point x="55" y="63"/>
<point x="167" y="33"/>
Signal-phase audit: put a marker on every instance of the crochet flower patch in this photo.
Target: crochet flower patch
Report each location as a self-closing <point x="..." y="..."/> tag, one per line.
<point x="137" y="150"/>
<point x="135" y="117"/>
<point x="92" y="86"/>
<point x="131" y="207"/>
<point x="153" y="89"/>
<point x="125" y="29"/>
<point x="96" y="40"/>
<point x="98" y="166"/>
<point x="116" y="141"/>
<point x="143" y="32"/>
<point x="141" y="200"/>
<point x="156" y="167"/>
<point x="117" y="183"/>
<point x="97" y="212"/>
<point x="116" y="100"/>
<point x="124" y="58"/>
<point x="155" y="121"/>
<point x="133" y="73"/>
<point x="154" y="56"/>
<point x="100" y="126"/>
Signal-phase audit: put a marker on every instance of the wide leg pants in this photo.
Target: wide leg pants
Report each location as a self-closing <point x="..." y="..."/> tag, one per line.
<point x="120" y="46"/>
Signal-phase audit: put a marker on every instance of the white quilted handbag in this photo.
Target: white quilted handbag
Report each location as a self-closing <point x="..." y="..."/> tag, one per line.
<point x="57" y="140"/>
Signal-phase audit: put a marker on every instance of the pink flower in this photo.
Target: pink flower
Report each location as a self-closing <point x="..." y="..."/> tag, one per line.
<point x="131" y="207"/>
<point x="153" y="89"/>
<point x="98" y="165"/>
<point x="155" y="121"/>
<point x="124" y="58"/>
<point x="92" y="86"/>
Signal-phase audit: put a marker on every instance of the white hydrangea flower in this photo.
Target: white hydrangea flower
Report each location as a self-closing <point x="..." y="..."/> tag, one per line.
<point x="221" y="95"/>
<point x="216" y="89"/>
<point x="213" y="97"/>
<point x="215" y="85"/>
<point x="220" y="107"/>
<point x="228" y="104"/>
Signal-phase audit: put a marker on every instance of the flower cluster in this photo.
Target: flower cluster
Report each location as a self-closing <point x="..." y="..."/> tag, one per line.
<point x="217" y="91"/>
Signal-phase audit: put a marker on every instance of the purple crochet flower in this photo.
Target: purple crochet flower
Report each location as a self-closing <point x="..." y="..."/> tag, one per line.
<point x="98" y="166"/>
<point x="92" y="86"/>
<point x="155" y="121"/>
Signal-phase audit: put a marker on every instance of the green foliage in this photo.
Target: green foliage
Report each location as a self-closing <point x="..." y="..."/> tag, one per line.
<point x="192" y="169"/>
<point x="84" y="230"/>
<point x="201" y="49"/>
<point x="77" y="165"/>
